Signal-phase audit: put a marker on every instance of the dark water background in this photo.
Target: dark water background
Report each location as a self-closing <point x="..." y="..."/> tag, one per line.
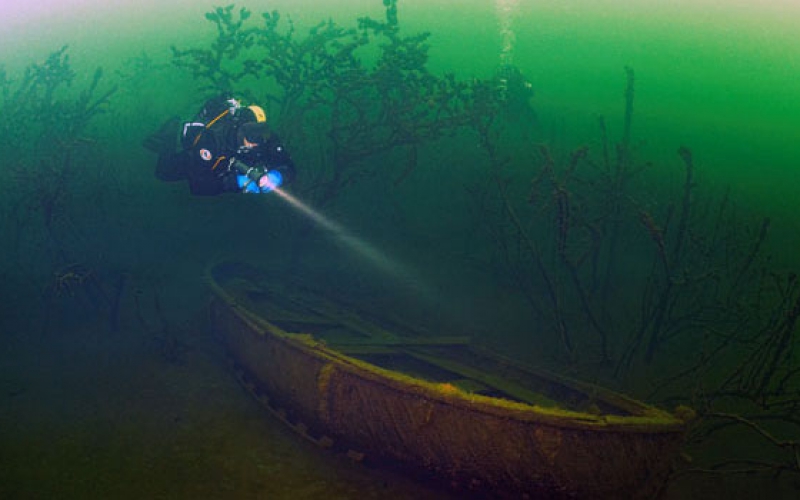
<point x="113" y="387"/>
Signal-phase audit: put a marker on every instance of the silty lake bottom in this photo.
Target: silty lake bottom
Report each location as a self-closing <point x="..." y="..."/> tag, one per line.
<point x="105" y="416"/>
<point x="91" y="413"/>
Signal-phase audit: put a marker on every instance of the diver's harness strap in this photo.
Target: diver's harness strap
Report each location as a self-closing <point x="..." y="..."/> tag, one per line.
<point x="201" y="128"/>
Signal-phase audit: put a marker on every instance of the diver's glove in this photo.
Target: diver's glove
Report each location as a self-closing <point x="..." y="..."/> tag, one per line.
<point x="256" y="180"/>
<point x="246" y="185"/>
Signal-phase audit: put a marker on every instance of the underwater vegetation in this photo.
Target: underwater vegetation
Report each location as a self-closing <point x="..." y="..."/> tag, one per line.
<point x="618" y="273"/>
<point x="56" y="121"/>
<point x="358" y="92"/>
<point x="51" y="139"/>
<point x="624" y="277"/>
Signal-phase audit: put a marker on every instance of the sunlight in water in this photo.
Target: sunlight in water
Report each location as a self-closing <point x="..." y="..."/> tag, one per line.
<point x="364" y="250"/>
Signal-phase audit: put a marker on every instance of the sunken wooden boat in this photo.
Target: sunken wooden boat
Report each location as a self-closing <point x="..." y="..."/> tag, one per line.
<point x="435" y="404"/>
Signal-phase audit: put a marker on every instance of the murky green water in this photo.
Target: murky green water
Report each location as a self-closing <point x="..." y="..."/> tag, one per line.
<point x="112" y="388"/>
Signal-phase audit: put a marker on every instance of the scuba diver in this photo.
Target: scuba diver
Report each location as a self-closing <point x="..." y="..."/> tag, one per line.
<point x="226" y="148"/>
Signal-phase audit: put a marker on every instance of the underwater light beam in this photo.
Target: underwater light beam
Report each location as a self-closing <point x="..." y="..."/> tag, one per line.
<point x="378" y="259"/>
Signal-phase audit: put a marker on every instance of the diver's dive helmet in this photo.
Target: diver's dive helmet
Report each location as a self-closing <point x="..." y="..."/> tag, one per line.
<point x="257" y="112"/>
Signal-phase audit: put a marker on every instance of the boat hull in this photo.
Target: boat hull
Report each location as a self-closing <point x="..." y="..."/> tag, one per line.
<point x="468" y="441"/>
